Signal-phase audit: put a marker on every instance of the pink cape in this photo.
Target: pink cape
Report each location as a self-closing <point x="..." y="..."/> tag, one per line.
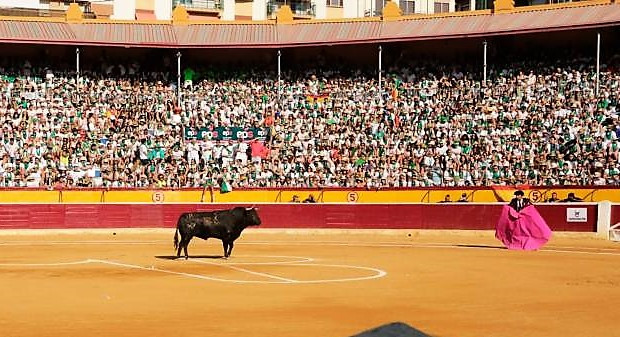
<point x="525" y="230"/>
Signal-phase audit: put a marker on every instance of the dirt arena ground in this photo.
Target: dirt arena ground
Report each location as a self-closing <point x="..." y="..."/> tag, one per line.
<point x="304" y="284"/>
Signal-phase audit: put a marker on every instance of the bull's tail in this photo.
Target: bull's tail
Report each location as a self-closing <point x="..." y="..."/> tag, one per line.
<point x="176" y="238"/>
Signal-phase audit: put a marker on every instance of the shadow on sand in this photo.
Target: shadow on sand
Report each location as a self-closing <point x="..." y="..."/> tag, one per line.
<point x="173" y="257"/>
<point x="481" y="246"/>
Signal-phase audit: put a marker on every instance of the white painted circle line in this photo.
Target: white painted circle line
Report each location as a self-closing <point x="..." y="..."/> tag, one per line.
<point x="377" y="272"/>
<point x="275" y="279"/>
<point x="245" y="270"/>
<point x="298" y="259"/>
<point x="190" y="275"/>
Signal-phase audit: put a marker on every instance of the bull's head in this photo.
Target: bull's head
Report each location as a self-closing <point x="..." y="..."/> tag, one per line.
<point x="252" y="216"/>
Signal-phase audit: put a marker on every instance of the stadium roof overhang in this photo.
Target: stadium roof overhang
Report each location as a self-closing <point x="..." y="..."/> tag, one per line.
<point x="582" y="15"/>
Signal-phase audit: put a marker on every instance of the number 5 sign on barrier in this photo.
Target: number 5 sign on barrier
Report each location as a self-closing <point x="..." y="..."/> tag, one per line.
<point x="352" y="197"/>
<point x="535" y="196"/>
<point x="158" y="197"/>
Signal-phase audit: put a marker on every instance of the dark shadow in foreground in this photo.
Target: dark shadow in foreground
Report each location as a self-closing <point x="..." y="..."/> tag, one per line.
<point x="396" y="329"/>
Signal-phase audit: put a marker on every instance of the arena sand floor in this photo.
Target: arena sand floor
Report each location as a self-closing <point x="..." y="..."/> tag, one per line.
<point x="304" y="283"/>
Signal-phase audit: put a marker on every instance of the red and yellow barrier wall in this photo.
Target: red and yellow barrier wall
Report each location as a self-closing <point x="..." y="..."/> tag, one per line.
<point x="363" y="196"/>
<point x="337" y="208"/>
<point x="277" y="215"/>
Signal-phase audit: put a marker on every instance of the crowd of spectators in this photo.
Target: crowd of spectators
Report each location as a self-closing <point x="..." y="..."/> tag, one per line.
<point x="121" y="126"/>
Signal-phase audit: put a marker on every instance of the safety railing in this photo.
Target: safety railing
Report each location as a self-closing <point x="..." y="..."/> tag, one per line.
<point x="198" y="4"/>
<point x="299" y="8"/>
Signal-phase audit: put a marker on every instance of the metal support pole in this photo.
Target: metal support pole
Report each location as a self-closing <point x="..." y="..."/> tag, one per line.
<point x="484" y="75"/>
<point x="179" y="78"/>
<point x="380" y="84"/>
<point x="279" y="76"/>
<point x="77" y="64"/>
<point x="77" y="72"/>
<point x="598" y="60"/>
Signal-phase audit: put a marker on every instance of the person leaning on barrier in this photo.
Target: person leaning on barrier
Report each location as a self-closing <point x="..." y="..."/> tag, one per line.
<point x="310" y="199"/>
<point x="572" y="198"/>
<point x="446" y="199"/>
<point x="463" y="198"/>
<point x="554" y="197"/>
<point x="295" y="199"/>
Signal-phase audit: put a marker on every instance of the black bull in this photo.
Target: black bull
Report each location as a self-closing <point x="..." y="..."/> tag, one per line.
<point x="225" y="225"/>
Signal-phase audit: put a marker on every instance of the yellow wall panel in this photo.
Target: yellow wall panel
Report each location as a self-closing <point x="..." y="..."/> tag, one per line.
<point x="247" y="196"/>
<point x="76" y="196"/>
<point x="436" y="196"/>
<point x="128" y="196"/>
<point x="612" y="195"/>
<point x="16" y="196"/>
<point x="270" y="196"/>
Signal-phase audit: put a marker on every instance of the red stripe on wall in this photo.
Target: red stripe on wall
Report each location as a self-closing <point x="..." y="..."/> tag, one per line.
<point x="615" y="214"/>
<point x="353" y="216"/>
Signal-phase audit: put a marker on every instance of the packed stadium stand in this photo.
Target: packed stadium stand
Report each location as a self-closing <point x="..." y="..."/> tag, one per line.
<point x="542" y="117"/>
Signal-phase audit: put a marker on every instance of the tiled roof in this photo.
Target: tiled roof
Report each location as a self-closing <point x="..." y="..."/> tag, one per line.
<point x="125" y="34"/>
<point x="317" y="33"/>
<point x="227" y="35"/>
<point x="307" y="33"/>
<point x="38" y="31"/>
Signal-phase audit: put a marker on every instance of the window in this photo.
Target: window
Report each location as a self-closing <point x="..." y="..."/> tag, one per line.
<point x="407" y="6"/>
<point x="483" y="4"/>
<point x="442" y="7"/>
<point x="304" y="8"/>
<point x="462" y="5"/>
<point x="198" y="4"/>
<point x="334" y="3"/>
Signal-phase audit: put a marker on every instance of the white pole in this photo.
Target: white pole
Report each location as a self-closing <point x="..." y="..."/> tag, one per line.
<point x="484" y="76"/>
<point x="598" y="60"/>
<point x="77" y="72"/>
<point x="77" y="64"/>
<point x="179" y="78"/>
<point x="279" y="75"/>
<point x="380" y="55"/>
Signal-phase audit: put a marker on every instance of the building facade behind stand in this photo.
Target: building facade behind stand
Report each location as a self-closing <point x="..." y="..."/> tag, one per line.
<point x="258" y="10"/>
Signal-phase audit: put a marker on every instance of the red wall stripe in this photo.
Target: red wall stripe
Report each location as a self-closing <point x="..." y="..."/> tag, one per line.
<point x="353" y="216"/>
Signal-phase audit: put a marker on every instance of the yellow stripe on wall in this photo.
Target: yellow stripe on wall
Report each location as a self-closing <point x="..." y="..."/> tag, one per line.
<point x="267" y="196"/>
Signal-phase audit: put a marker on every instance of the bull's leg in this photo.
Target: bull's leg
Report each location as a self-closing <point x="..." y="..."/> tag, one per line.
<point x="230" y="247"/>
<point x="183" y="244"/>
<point x="180" y="246"/>
<point x="186" y="243"/>
<point x="225" y="244"/>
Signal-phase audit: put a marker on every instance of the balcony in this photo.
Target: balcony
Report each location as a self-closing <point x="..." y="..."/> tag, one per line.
<point x="300" y="9"/>
<point x="199" y="5"/>
<point x="54" y="9"/>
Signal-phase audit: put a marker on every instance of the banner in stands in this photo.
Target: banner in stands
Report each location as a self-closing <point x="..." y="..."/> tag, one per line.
<point x="225" y="133"/>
